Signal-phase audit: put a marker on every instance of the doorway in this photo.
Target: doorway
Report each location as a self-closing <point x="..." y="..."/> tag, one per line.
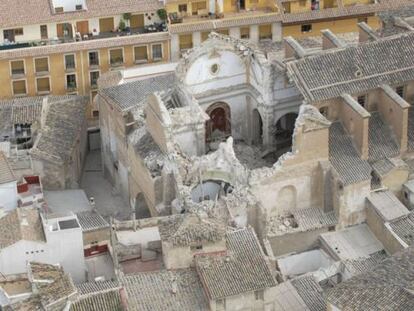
<point x="242" y="4"/>
<point x="218" y="127"/>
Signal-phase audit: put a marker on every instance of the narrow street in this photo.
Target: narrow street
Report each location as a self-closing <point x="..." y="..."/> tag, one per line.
<point x="107" y="201"/>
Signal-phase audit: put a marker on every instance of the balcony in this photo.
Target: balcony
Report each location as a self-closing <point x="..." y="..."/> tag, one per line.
<point x="203" y="15"/>
<point x="154" y="28"/>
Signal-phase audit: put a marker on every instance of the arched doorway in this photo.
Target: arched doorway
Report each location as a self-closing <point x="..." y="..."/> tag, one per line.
<point x="257" y="128"/>
<point x="284" y="131"/>
<point x="219" y="126"/>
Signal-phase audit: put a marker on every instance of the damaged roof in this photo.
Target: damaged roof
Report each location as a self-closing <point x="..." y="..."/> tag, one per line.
<point x="354" y="69"/>
<point x="131" y="94"/>
<point x="182" y="230"/>
<point x="243" y="268"/>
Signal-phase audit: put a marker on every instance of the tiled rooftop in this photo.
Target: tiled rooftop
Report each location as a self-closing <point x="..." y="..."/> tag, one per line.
<point x="382" y="143"/>
<point x="185" y="229"/>
<point x="165" y="291"/>
<point x="128" y="95"/>
<point x="21" y="224"/>
<point x="345" y="158"/>
<point x="6" y="172"/>
<point x="388" y="286"/>
<point x="310" y="292"/>
<point x="243" y="268"/>
<point x="336" y="69"/>
<point x="91" y="220"/>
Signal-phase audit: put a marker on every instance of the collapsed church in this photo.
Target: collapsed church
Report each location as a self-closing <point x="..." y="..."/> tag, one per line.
<point x="288" y="140"/>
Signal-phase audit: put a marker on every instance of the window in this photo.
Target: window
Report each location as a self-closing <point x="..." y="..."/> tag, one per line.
<point x="361" y="100"/>
<point x="265" y="32"/>
<point x="19" y="87"/>
<point x="94" y="58"/>
<point x="43" y="32"/>
<point x="43" y="85"/>
<point x="78" y="7"/>
<point x="17" y="67"/>
<point x="223" y="31"/>
<point x="196" y="6"/>
<point x="302" y="2"/>
<point x="156" y="52"/>
<point x="141" y="54"/>
<point x="306" y="28"/>
<point x="245" y="32"/>
<point x="186" y="42"/>
<point x="94" y="75"/>
<point x="18" y="32"/>
<point x="59" y="9"/>
<point x="182" y="8"/>
<point x="400" y="90"/>
<point x="95" y="113"/>
<point x="116" y="57"/>
<point x="196" y="247"/>
<point x="71" y="82"/>
<point x="42" y="65"/>
<point x="406" y="195"/>
<point x="70" y="62"/>
<point x="324" y="111"/>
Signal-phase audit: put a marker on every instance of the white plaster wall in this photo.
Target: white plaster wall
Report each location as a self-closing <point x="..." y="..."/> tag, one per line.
<point x="231" y="72"/>
<point x="13" y="259"/>
<point x="8" y="195"/>
<point x="66" y="248"/>
<point x="68" y="5"/>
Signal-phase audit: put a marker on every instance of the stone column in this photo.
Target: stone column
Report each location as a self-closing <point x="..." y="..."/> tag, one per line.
<point x="254" y="33"/>
<point x="196" y="38"/>
<point x="277" y="32"/>
<point x="175" y="47"/>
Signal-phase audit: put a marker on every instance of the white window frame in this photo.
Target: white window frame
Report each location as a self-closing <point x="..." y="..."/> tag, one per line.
<point x="90" y="80"/>
<point x="99" y="58"/>
<point x="109" y="57"/>
<point x="162" y="52"/>
<point x="48" y="65"/>
<point x="74" y="59"/>
<point x="25" y="86"/>
<point x="66" y="80"/>
<point x="17" y="60"/>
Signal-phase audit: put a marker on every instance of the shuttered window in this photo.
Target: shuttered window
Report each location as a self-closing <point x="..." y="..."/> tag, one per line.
<point x="265" y="32"/>
<point x="116" y="57"/>
<point x="41" y="64"/>
<point x="17" y="67"/>
<point x="245" y="32"/>
<point x="186" y="41"/>
<point x="19" y="87"/>
<point x="141" y="54"/>
<point x="43" y="85"/>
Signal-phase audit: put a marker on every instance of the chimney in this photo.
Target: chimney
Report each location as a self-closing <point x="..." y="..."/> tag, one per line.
<point x="366" y="33"/>
<point x="330" y="40"/>
<point x="293" y="48"/>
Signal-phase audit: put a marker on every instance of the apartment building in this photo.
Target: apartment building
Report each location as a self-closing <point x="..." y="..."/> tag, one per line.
<point x="63" y="46"/>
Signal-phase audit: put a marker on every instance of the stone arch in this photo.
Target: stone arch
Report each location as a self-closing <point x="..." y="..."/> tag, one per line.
<point x="141" y="207"/>
<point x="257" y="128"/>
<point x="286" y="200"/>
<point x="284" y="129"/>
<point x="218" y="127"/>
